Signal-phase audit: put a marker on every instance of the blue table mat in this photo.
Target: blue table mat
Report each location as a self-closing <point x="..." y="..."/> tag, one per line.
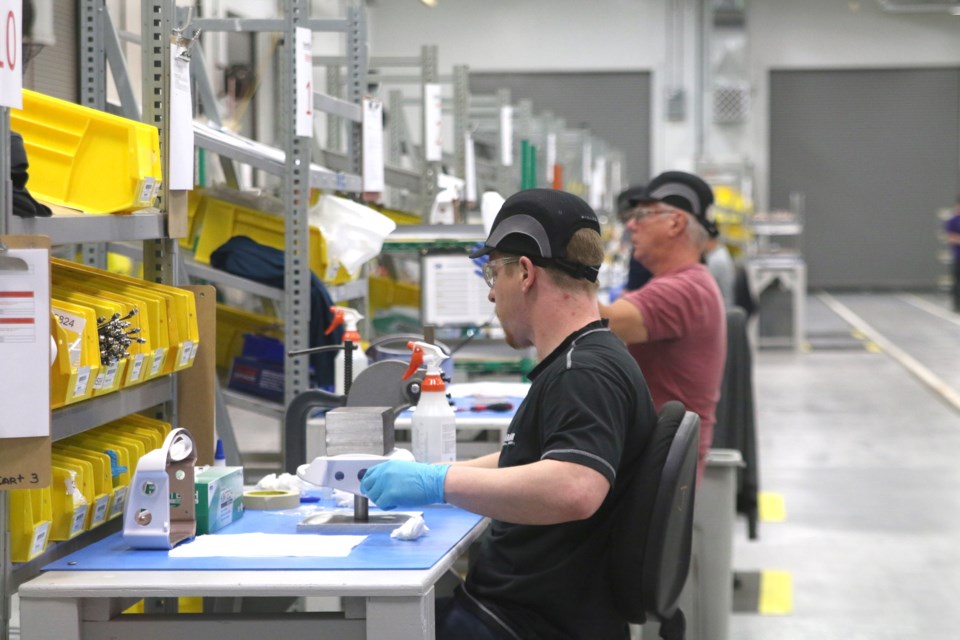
<point x="467" y="402"/>
<point x="447" y="524"/>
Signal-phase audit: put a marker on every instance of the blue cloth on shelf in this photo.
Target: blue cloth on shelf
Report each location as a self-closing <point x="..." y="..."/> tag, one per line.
<point x="244" y="257"/>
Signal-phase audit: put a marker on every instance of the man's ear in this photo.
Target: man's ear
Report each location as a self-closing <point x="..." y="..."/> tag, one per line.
<point x="528" y="274"/>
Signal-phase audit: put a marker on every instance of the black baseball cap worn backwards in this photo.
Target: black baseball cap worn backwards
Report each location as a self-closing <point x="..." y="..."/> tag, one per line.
<point x="538" y="223"/>
<point x="681" y="190"/>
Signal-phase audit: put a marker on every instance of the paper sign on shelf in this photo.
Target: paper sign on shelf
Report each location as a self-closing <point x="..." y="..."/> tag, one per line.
<point x="181" y="121"/>
<point x="506" y="136"/>
<point x="372" y="126"/>
<point x="470" y="169"/>
<point x="433" y="122"/>
<point x="11" y="48"/>
<point x="551" y="159"/>
<point x="304" y="80"/>
<point x="25" y="343"/>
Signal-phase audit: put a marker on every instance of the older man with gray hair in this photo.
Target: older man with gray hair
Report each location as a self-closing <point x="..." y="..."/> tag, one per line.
<point x="675" y="326"/>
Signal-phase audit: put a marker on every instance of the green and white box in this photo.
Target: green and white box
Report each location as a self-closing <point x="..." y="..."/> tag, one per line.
<point x="219" y="497"/>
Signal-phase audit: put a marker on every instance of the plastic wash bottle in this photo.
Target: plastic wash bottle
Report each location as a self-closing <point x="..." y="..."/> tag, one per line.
<point x="349" y="318"/>
<point x="434" y="422"/>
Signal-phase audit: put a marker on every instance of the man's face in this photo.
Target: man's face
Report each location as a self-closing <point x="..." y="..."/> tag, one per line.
<point x="647" y="223"/>
<point x="506" y="295"/>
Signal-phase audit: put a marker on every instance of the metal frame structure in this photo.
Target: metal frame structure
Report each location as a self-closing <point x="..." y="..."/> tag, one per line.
<point x="160" y="255"/>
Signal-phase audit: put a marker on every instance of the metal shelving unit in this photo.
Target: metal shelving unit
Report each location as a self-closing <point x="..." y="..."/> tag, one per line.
<point x="149" y="226"/>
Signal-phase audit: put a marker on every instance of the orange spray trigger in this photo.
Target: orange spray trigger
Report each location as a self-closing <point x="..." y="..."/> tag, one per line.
<point x="415" y="360"/>
<point x="337" y="320"/>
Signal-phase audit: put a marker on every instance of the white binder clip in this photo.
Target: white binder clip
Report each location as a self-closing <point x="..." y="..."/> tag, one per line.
<point x="160" y="510"/>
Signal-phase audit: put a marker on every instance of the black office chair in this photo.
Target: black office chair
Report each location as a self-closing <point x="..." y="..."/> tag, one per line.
<point x="650" y="545"/>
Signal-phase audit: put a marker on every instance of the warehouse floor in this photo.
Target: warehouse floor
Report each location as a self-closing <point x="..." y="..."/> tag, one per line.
<point x="860" y="438"/>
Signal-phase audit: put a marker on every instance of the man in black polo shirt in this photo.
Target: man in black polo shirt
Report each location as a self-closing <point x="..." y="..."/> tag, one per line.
<point x="550" y="492"/>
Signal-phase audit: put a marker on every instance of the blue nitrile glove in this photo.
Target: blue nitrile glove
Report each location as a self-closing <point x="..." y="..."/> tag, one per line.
<point x="399" y="483"/>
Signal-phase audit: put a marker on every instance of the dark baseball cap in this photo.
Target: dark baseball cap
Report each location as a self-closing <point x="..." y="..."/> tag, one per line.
<point x="681" y="190"/>
<point x="625" y="197"/>
<point x="539" y="223"/>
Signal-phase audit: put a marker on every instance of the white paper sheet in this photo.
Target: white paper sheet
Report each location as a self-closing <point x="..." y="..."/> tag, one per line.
<point x="267" y="545"/>
<point x="489" y="389"/>
<point x="25" y="345"/>
<point x="181" y="121"/>
<point x="433" y="122"/>
<point x="373" y="178"/>
<point x="304" y="82"/>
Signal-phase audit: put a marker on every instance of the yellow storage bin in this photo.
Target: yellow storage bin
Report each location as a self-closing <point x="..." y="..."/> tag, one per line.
<point x="74" y="374"/>
<point x="101" y="478"/>
<point x="220" y="220"/>
<point x="233" y="323"/>
<point x="88" y="159"/>
<point x="125" y="454"/>
<point x="68" y="504"/>
<point x="140" y="357"/>
<point x="85" y="482"/>
<point x="180" y="306"/>
<point x="386" y="292"/>
<point x="31" y="516"/>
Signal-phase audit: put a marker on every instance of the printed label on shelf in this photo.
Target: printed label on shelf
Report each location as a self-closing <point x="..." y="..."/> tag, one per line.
<point x="98" y="381"/>
<point x="83" y="381"/>
<point x="100" y="510"/>
<point x="110" y="375"/>
<point x="79" y="516"/>
<point x="147" y="186"/>
<point x="193" y="353"/>
<point x="119" y="499"/>
<point x="157" y="361"/>
<point x="135" y="367"/>
<point x="39" y="539"/>
<point x="185" y="350"/>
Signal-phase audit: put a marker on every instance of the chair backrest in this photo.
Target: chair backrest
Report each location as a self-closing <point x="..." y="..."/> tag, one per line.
<point x="651" y="540"/>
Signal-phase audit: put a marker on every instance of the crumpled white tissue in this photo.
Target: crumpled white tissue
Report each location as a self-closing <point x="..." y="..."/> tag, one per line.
<point x="283" y="482"/>
<point x="412" y="529"/>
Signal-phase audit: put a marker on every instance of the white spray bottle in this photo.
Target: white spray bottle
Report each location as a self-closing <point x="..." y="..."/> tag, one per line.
<point x="348" y="317"/>
<point x="434" y="421"/>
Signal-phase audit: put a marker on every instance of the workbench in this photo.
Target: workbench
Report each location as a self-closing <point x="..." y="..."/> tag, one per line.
<point x="388" y="586"/>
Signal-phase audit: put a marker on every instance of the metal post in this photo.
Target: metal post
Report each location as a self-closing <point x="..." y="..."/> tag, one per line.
<point x="356" y="82"/>
<point x="296" y="193"/>
<point x="431" y="170"/>
<point x="160" y="256"/>
<point x="461" y="119"/>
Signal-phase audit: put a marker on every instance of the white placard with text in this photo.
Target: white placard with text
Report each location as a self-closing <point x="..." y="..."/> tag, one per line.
<point x="372" y="126"/>
<point x="11" y="53"/>
<point x="304" y="80"/>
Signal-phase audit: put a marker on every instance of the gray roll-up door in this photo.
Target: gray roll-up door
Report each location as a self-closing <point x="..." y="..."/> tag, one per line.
<point x="615" y="106"/>
<point x="875" y="152"/>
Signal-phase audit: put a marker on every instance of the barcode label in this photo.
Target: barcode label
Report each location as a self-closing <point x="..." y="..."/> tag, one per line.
<point x="83" y="380"/>
<point x="185" y="350"/>
<point x="98" y="381"/>
<point x="157" y="361"/>
<point x="147" y="190"/>
<point x="79" y="516"/>
<point x="135" y="367"/>
<point x="119" y="499"/>
<point x="100" y="510"/>
<point x="39" y="539"/>
<point x="110" y="376"/>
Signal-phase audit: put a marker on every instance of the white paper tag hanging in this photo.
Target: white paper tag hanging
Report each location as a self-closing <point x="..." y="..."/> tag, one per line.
<point x="372" y="125"/>
<point x="470" y="169"/>
<point x="551" y="158"/>
<point x="304" y="82"/>
<point x="506" y="136"/>
<point x="433" y="122"/>
<point x="181" y="121"/>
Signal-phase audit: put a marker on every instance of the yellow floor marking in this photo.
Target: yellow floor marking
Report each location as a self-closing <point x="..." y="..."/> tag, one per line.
<point x="776" y="593"/>
<point x="872" y="347"/>
<point x="771" y="507"/>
